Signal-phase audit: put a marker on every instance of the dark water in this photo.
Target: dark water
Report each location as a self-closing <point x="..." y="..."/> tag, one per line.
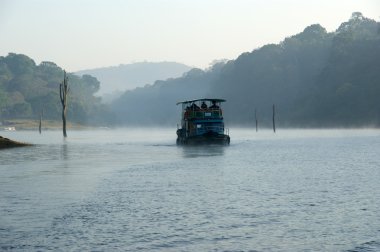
<point x="129" y="190"/>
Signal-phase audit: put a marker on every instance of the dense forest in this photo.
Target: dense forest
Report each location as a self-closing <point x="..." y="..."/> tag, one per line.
<point x="315" y="79"/>
<point x="26" y="89"/>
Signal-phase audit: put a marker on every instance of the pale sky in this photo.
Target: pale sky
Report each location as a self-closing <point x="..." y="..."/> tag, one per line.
<point x="83" y="34"/>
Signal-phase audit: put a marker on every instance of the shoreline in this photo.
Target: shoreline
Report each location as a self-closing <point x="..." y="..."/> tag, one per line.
<point x="8" y="143"/>
<point x="25" y="124"/>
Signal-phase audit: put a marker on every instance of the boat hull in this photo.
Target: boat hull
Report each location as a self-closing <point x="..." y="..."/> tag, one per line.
<point x="218" y="139"/>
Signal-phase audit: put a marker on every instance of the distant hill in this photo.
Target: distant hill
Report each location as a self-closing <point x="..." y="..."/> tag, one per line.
<point x="130" y="76"/>
<point x="315" y="79"/>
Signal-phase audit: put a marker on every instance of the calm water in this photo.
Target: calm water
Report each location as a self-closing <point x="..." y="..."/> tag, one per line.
<point x="129" y="190"/>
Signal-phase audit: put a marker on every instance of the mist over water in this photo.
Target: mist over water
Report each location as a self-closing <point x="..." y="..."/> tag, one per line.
<point x="134" y="189"/>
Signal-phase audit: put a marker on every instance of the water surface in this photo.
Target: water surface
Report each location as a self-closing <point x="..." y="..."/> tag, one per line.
<point x="134" y="189"/>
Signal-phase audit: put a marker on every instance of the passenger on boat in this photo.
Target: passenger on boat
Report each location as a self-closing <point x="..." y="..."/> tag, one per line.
<point x="214" y="106"/>
<point x="194" y="107"/>
<point x="203" y="105"/>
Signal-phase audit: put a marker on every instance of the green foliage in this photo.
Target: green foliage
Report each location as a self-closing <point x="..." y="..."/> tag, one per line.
<point x="315" y="78"/>
<point x="3" y="99"/>
<point x="27" y="88"/>
<point x="19" y="64"/>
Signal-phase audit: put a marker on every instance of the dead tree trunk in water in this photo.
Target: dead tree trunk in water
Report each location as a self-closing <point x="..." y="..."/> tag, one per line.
<point x="273" y="118"/>
<point x="40" y="124"/>
<point x="63" y="90"/>
<point x="256" y="120"/>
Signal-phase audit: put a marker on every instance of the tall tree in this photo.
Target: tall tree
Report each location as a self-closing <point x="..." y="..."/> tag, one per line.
<point x="63" y="91"/>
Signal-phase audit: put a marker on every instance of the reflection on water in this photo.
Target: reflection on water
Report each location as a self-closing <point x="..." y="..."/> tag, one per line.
<point x="64" y="152"/>
<point x="202" y="151"/>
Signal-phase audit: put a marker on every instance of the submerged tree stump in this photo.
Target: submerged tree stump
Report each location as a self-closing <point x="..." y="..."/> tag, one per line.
<point x="256" y="121"/>
<point x="273" y="119"/>
<point x="7" y="143"/>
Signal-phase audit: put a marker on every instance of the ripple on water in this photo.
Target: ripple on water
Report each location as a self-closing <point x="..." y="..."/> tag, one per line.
<point x="273" y="193"/>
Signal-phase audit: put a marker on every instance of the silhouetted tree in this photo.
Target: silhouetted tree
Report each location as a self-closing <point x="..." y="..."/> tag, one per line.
<point x="63" y="91"/>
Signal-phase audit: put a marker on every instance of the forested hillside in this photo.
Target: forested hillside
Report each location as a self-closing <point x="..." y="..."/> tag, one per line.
<point x="26" y="89"/>
<point x="314" y="78"/>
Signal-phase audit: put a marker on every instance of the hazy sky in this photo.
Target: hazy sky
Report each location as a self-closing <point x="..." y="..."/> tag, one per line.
<point x="82" y="34"/>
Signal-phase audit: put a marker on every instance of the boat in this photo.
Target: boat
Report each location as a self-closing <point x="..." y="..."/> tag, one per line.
<point x="202" y="123"/>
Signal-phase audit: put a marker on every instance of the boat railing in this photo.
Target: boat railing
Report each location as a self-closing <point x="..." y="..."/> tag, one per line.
<point x="202" y="114"/>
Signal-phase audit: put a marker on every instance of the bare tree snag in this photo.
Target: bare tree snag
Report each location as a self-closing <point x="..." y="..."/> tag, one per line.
<point x="273" y="118"/>
<point x="257" y="124"/>
<point x="63" y="91"/>
<point x="40" y="124"/>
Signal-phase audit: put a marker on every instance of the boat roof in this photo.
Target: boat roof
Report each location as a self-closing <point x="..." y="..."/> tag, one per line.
<point x="204" y="99"/>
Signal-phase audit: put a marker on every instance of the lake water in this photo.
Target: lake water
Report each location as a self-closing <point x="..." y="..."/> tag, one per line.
<point x="134" y="189"/>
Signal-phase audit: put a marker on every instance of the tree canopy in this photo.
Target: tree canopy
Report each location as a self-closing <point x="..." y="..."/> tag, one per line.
<point x="27" y="88"/>
<point x="315" y="78"/>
